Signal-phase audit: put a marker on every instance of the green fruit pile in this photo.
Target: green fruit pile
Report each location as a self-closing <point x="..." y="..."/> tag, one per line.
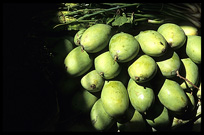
<point x="135" y="82"/>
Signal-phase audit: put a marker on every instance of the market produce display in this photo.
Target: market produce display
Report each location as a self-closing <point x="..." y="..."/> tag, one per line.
<point x="142" y="70"/>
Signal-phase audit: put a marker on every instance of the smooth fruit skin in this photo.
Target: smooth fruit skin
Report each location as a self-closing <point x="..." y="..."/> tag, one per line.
<point x="127" y="116"/>
<point x="92" y="81"/>
<point x="193" y="48"/>
<point x="174" y="34"/>
<point x="77" y="37"/>
<point x="115" y="98"/>
<point x="106" y="66"/>
<point x="77" y="62"/>
<point x="189" y="30"/>
<point x="96" y="38"/>
<point x="169" y="66"/>
<point x="100" y="120"/>
<point x="172" y="96"/>
<point x="136" y="124"/>
<point x="142" y="69"/>
<point x="191" y="73"/>
<point x="141" y="95"/>
<point x="159" y="117"/>
<point x="152" y="43"/>
<point x="123" y="47"/>
<point x="189" y="113"/>
<point x="61" y="49"/>
<point x="83" y="101"/>
<point x="192" y="103"/>
<point x="198" y="94"/>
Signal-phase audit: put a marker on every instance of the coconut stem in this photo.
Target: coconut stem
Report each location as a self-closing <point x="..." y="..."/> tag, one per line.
<point x="93" y="86"/>
<point x="102" y="74"/>
<point x="137" y="78"/>
<point x="82" y="48"/>
<point x="116" y="58"/>
<point x="177" y="73"/>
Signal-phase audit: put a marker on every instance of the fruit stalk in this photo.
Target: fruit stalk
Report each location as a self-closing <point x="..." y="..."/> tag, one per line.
<point x="177" y="74"/>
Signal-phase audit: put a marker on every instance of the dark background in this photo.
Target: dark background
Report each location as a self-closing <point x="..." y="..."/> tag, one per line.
<point x="29" y="100"/>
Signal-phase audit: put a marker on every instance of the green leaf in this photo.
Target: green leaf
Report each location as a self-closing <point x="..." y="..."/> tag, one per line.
<point x="109" y="20"/>
<point x="120" y="20"/>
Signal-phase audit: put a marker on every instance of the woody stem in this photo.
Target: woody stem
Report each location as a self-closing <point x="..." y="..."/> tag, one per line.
<point x="177" y="73"/>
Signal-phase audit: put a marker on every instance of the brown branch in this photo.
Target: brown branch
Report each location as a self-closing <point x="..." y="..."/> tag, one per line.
<point x="82" y="48"/>
<point x="177" y="73"/>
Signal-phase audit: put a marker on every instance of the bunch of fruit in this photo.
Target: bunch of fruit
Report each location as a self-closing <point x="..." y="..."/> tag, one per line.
<point x="144" y="82"/>
<point x="123" y="66"/>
